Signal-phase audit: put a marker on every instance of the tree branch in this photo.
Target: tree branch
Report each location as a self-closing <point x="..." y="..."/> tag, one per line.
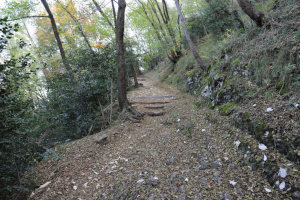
<point x="25" y="17"/>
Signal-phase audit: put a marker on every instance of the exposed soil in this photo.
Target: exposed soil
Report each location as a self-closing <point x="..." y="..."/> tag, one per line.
<point x="184" y="153"/>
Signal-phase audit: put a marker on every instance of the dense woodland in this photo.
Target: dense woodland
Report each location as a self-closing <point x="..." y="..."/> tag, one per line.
<point x="66" y="65"/>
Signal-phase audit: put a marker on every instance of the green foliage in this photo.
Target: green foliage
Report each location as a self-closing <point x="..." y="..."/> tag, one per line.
<point x="196" y="28"/>
<point x="226" y="109"/>
<point x="6" y="32"/>
<point x="17" y="148"/>
<point x="217" y="17"/>
<point x="75" y="98"/>
<point x="17" y="9"/>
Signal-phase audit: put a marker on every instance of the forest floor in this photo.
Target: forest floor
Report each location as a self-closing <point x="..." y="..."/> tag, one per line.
<point x="178" y="155"/>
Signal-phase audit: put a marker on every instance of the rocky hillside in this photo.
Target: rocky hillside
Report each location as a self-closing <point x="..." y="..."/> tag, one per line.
<point x="254" y="81"/>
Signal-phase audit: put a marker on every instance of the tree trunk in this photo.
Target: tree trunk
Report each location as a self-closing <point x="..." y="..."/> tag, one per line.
<point x="188" y="38"/>
<point x="56" y="34"/>
<point x="136" y="83"/>
<point x="103" y="14"/>
<point x="122" y="96"/>
<point x="114" y="12"/>
<point x="254" y="14"/>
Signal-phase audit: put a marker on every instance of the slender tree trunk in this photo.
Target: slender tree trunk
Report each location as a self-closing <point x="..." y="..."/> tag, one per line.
<point x="78" y="26"/>
<point x="254" y="14"/>
<point x="114" y="11"/>
<point x="188" y="38"/>
<point x="56" y="34"/>
<point x="136" y="83"/>
<point x="122" y="96"/>
<point x="103" y="14"/>
<point x="151" y="21"/>
<point x="165" y="16"/>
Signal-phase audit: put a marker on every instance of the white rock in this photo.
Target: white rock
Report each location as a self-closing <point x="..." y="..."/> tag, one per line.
<point x="203" y="130"/>
<point x="97" y="186"/>
<point x="178" y="120"/>
<point x="113" y="162"/>
<point x="186" y="179"/>
<point x="75" y="187"/>
<point x="85" y="185"/>
<point x="237" y="143"/>
<point x="282" y="172"/>
<point x="177" y="130"/>
<point x="282" y="185"/>
<point x="45" y="185"/>
<point x="140" y="181"/>
<point x="289" y="164"/>
<point x="265" y="158"/>
<point x="254" y="105"/>
<point x="266" y="134"/>
<point x="262" y="147"/>
<point x="277" y="182"/>
<point x="269" y="110"/>
<point x="233" y="183"/>
<point x="268" y="190"/>
<point x="32" y="194"/>
<point x="296" y="105"/>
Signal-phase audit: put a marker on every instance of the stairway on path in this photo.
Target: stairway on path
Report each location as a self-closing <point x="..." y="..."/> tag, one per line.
<point x="146" y="104"/>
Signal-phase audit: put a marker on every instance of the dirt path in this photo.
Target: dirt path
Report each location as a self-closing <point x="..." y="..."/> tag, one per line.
<point x="178" y="155"/>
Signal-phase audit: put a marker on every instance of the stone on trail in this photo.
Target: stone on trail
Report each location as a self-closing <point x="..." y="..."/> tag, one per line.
<point x="268" y="190"/>
<point x="152" y="181"/>
<point x="225" y="197"/>
<point x="103" y="139"/>
<point x="152" y="197"/>
<point x="265" y="158"/>
<point x="237" y="143"/>
<point x="296" y="194"/>
<point x="262" y="147"/>
<point x="198" y="196"/>
<point x="204" y="181"/>
<point x="282" y="185"/>
<point x="232" y="183"/>
<point x="45" y="185"/>
<point x="170" y="161"/>
<point x="140" y="181"/>
<point x="282" y="172"/>
<point x="182" y="193"/>
<point x="216" y="164"/>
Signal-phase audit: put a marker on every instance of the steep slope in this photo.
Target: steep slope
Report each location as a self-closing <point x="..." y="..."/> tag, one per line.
<point x="186" y="153"/>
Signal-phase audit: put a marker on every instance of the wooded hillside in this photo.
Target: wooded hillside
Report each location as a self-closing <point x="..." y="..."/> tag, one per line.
<point x="66" y="67"/>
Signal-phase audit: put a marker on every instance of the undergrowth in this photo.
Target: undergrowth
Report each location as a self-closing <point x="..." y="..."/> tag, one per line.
<point x="257" y="60"/>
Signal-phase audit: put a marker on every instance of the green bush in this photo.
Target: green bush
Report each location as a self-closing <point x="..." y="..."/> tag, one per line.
<point x="217" y="17"/>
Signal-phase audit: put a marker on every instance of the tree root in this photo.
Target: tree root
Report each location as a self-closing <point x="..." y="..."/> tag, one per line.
<point x="131" y="114"/>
